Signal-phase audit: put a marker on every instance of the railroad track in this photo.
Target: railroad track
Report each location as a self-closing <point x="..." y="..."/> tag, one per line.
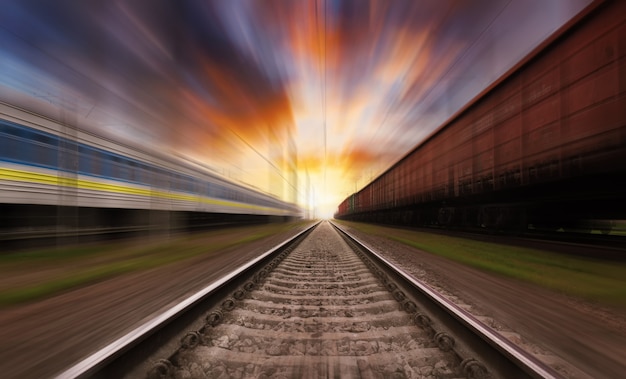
<point x="323" y="306"/>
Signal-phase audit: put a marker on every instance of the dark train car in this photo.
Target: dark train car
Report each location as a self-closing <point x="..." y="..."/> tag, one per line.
<point x="544" y="146"/>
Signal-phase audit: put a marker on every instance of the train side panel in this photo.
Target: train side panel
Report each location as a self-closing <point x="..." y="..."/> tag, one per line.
<point x="51" y="175"/>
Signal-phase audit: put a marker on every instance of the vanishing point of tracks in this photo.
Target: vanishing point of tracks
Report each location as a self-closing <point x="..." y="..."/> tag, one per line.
<point x="324" y="307"/>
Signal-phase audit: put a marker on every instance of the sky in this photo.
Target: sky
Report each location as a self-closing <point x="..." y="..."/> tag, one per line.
<point x="308" y="100"/>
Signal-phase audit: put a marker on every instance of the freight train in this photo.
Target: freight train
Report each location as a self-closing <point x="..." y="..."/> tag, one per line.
<point x="56" y="177"/>
<point x="544" y="147"/>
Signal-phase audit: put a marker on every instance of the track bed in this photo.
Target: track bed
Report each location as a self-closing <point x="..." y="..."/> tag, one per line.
<point x="322" y="306"/>
<point x="320" y="313"/>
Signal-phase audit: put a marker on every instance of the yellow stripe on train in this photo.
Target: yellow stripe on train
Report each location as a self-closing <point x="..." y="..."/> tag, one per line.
<point x="55" y="180"/>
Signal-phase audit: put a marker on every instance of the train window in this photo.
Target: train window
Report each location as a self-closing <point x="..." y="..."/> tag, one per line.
<point x="15" y="144"/>
<point x="5" y="128"/>
<point x="146" y="174"/>
<point x="84" y="160"/>
<point x="171" y="181"/>
<point x="45" y="156"/>
<point x="126" y="169"/>
<point x="44" y="139"/>
<point x="68" y="146"/>
<point x="133" y="172"/>
<point x="219" y="192"/>
<point x="174" y="182"/>
<point x="84" y="163"/>
<point x="112" y="163"/>
<point x="24" y="151"/>
<point x="96" y="167"/>
<point x="142" y="175"/>
<point x="191" y="186"/>
<point x="27" y="134"/>
<point x="8" y="147"/>
<point x="12" y="130"/>
<point x="130" y="170"/>
<point x="179" y="183"/>
<point x="162" y="178"/>
<point x="106" y="168"/>
<point x="122" y="169"/>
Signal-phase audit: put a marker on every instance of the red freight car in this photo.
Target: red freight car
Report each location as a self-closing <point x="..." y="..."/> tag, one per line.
<point x="545" y="145"/>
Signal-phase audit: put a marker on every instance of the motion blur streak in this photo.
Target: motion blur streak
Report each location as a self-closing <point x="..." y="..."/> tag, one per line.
<point x="353" y="84"/>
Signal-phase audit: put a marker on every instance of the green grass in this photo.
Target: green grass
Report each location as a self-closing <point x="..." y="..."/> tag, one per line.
<point x="52" y="254"/>
<point x="66" y="268"/>
<point x="55" y="285"/>
<point x="600" y="281"/>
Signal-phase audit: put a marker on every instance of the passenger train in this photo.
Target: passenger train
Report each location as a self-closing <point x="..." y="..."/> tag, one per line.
<point x="53" y="174"/>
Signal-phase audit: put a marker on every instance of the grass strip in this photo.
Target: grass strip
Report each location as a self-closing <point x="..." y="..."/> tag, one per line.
<point x="83" y="265"/>
<point x="596" y="280"/>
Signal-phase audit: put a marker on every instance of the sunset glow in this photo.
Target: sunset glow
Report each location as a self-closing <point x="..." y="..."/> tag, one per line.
<point x="308" y="100"/>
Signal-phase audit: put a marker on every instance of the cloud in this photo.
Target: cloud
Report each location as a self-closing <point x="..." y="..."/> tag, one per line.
<point x="356" y="84"/>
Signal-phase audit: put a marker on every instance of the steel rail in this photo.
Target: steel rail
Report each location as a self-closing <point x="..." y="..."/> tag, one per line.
<point x="92" y="363"/>
<point x="521" y="358"/>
